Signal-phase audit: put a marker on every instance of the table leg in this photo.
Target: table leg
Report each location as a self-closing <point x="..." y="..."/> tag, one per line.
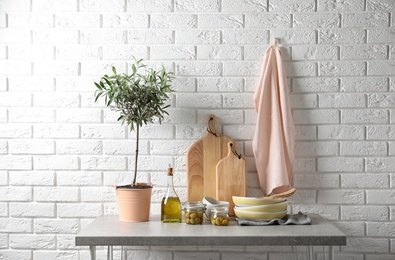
<point x="310" y="253"/>
<point x="92" y="250"/>
<point x="109" y="253"/>
<point x="124" y="255"/>
<point x="324" y="251"/>
<point x="331" y="253"/>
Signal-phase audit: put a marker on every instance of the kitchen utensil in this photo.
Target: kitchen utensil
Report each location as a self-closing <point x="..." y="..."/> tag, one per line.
<point x="202" y="159"/>
<point x="284" y="194"/>
<point x="195" y="172"/>
<point x="253" y="201"/>
<point x="211" y="202"/>
<point x="260" y="215"/>
<point x="264" y="208"/>
<point x="231" y="177"/>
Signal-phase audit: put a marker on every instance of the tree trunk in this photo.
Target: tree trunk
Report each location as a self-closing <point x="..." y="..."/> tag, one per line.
<point x="137" y="154"/>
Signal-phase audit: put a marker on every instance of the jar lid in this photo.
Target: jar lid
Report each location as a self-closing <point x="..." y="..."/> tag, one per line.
<point x="220" y="208"/>
<point x="193" y="204"/>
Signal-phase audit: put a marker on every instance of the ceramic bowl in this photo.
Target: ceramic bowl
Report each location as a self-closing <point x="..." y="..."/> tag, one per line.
<point x="265" y="208"/>
<point x="251" y="201"/>
<point x="260" y="215"/>
<point x="211" y="202"/>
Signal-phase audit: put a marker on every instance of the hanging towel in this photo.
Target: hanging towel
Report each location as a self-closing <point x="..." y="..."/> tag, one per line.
<point x="274" y="137"/>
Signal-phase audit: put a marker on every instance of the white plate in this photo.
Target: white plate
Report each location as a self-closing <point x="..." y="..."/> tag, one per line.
<point x="264" y="208"/>
<point x="252" y="201"/>
<point x="260" y="215"/>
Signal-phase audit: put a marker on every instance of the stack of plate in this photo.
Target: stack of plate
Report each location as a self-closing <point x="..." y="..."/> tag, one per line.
<point x="260" y="208"/>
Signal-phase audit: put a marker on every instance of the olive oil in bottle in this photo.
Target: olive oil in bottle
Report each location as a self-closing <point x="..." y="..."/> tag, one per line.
<point x="171" y="205"/>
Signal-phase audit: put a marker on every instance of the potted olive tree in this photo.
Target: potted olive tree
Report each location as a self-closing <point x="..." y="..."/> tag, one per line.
<point x="140" y="97"/>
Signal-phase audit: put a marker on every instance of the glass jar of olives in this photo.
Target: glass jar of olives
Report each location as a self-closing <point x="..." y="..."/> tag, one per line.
<point x="193" y="212"/>
<point x="220" y="216"/>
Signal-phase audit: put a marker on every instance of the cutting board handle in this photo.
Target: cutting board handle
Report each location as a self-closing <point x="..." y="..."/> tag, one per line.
<point x="212" y="121"/>
<point x="232" y="149"/>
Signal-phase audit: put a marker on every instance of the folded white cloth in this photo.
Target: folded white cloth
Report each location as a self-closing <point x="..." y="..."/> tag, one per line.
<point x="290" y="219"/>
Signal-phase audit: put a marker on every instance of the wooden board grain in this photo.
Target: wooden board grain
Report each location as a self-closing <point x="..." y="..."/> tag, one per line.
<point x="231" y="178"/>
<point x="195" y="176"/>
<point x="202" y="159"/>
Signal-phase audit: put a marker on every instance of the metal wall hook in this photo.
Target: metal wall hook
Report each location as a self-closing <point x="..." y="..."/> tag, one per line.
<point x="234" y="151"/>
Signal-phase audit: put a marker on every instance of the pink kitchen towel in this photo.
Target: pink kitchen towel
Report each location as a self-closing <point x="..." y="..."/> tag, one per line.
<point x="274" y="137"/>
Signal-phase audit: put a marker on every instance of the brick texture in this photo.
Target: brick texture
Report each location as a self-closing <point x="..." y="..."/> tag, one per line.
<point x="60" y="152"/>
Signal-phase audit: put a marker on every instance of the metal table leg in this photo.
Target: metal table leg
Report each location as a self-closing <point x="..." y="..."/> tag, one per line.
<point x="310" y="253"/>
<point x="92" y="250"/>
<point x="331" y="253"/>
<point x="109" y="253"/>
<point x="123" y="254"/>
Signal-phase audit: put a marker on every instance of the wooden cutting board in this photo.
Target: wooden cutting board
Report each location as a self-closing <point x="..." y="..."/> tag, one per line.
<point x="202" y="159"/>
<point x="195" y="172"/>
<point x="231" y="178"/>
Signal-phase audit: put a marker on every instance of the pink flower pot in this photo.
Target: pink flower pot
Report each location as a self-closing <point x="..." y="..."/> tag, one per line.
<point x="134" y="204"/>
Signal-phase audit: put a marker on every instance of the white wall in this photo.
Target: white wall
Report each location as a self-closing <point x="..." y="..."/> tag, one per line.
<point x="60" y="152"/>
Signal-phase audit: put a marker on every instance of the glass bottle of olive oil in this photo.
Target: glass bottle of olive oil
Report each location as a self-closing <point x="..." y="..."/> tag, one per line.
<point x="171" y="205"/>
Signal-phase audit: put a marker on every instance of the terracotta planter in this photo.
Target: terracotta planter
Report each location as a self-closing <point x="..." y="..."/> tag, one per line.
<point x="134" y="204"/>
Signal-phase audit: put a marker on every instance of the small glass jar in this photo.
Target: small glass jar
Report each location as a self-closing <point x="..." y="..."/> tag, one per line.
<point x="193" y="212"/>
<point x="220" y="216"/>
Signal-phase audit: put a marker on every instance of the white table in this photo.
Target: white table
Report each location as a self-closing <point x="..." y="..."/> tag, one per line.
<point x="109" y="231"/>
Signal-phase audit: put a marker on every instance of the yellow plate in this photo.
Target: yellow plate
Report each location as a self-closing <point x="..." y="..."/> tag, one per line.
<point x="264" y="208"/>
<point x="251" y="201"/>
<point x="260" y="215"/>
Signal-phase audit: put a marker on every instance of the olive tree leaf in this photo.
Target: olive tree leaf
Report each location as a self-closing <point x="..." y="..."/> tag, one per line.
<point x="139" y="97"/>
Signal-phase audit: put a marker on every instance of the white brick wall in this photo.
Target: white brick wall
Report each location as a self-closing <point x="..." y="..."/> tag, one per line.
<point x="60" y="152"/>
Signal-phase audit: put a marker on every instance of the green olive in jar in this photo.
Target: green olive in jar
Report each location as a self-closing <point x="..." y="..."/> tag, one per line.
<point x="193" y="213"/>
<point x="219" y="216"/>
